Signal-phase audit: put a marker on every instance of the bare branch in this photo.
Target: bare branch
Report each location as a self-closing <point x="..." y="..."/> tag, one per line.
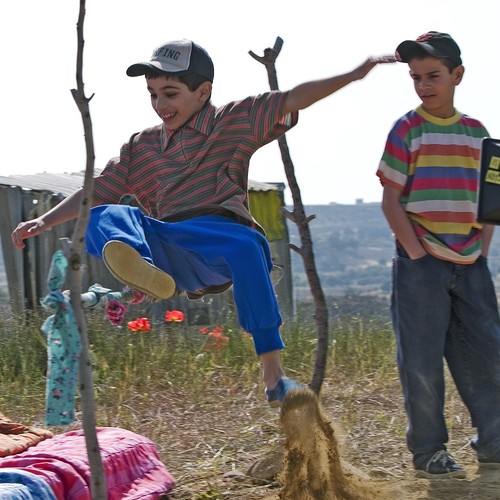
<point x="308" y="219"/>
<point x="72" y="250"/>
<point x="270" y="55"/>
<point x="288" y="215"/>
<point x="299" y="217"/>
<point x="295" y="248"/>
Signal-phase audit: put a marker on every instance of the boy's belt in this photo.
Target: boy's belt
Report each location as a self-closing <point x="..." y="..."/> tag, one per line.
<point x="212" y="210"/>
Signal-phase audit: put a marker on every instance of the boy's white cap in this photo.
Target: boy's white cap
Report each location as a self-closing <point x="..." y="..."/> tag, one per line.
<point x="178" y="57"/>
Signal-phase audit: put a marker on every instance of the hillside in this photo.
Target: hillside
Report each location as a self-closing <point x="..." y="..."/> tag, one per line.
<point x="353" y="248"/>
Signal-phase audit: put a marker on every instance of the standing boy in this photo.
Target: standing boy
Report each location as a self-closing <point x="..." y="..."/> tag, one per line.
<point x="443" y="299"/>
<point x="190" y="174"/>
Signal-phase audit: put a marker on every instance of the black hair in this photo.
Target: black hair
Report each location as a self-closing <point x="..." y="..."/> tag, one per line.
<point x="192" y="80"/>
<point x="422" y="54"/>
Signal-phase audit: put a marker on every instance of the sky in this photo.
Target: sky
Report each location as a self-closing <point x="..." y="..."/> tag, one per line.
<point x="336" y="145"/>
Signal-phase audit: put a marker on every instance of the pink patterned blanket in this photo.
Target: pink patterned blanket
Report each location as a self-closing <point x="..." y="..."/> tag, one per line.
<point x="131" y="463"/>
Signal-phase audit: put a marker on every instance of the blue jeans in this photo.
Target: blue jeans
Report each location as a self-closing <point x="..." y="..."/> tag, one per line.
<point x="203" y="251"/>
<point x="446" y="310"/>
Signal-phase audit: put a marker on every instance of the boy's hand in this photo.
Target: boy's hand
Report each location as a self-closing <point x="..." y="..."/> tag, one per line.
<point x="25" y="230"/>
<point x="361" y="71"/>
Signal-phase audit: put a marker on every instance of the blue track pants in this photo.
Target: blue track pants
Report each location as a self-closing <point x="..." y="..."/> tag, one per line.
<point x="198" y="252"/>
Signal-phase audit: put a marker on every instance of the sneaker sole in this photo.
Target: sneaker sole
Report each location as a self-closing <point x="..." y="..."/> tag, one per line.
<point x="127" y="266"/>
<point x="458" y="474"/>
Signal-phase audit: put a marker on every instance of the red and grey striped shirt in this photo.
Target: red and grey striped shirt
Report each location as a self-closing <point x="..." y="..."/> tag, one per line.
<point x="201" y="168"/>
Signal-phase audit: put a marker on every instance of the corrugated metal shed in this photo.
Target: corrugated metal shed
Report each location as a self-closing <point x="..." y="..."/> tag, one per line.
<point x="23" y="197"/>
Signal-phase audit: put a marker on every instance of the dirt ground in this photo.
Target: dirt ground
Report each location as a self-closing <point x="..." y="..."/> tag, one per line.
<point x="313" y="469"/>
<point x="225" y="445"/>
<point x="224" y="442"/>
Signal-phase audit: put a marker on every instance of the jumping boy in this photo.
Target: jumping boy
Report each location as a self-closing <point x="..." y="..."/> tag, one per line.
<point x="443" y="299"/>
<point x="190" y="175"/>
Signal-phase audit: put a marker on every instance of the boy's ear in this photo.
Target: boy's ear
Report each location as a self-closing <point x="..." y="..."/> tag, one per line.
<point x="458" y="74"/>
<point x="205" y="91"/>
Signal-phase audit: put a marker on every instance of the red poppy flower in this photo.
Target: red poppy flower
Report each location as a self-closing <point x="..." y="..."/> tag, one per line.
<point x="216" y="338"/>
<point x="139" y="325"/>
<point x="174" y="316"/>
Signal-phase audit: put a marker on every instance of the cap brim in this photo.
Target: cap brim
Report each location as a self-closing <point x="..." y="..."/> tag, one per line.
<point x="410" y="48"/>
<point x="143" y="68"/>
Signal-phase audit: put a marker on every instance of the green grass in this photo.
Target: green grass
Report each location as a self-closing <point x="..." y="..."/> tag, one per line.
<point x="363" y="347"/>
<point x="204" y="409"/>
<point x="129" y="365"/>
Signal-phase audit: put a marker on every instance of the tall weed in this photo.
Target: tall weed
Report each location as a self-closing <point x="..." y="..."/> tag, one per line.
<point x="363" y="347"/>
<point x="129" y="365"/>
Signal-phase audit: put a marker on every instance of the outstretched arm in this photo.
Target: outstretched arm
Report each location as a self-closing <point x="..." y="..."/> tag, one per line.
<point x="308" y="93"/>
<point x="64" y="211"/>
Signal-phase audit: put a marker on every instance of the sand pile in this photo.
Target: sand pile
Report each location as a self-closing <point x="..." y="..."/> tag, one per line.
<point x="312" y="467"/>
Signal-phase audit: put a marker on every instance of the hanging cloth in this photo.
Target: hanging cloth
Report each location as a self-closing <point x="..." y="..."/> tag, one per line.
<point x="63" y="347"/>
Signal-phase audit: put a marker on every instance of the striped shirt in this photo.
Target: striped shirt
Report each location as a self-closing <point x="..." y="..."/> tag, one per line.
<point x="434" y="162"/>
<point x="201" y="168"/>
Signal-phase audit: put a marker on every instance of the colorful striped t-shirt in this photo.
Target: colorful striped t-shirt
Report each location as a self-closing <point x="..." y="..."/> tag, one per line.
<point x="434" y="162"/>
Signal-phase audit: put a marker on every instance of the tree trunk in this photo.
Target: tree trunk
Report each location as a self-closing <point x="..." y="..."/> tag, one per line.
<point x="73" y="251"/>
<point x="299" y="217"/>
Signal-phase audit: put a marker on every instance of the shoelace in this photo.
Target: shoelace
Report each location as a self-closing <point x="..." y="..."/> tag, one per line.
<point x="441" y="456"/>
